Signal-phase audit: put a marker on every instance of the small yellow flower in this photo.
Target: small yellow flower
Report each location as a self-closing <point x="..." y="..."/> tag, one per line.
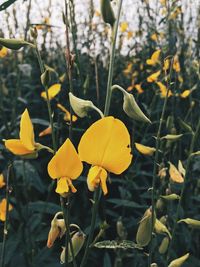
<point x="2" y="182"/>
<point x="128" y="69"/>
<point x="52" y="91"/>
<point x="106" y="146"/>
<point x="26" y="144"/>
<point x="185" y="93"/>
<point x="176" y="64"/>
<point x="166" y="64"/>
<point x="65" y="166"/>
<point x="145" y="150"/>
<point x="163" y="90"/>
<point x="154" y="37"/>
<point x="3" y="204"/>
<point x="3" y="52"/>
<point x="154" y="58"/>
<point x="46" y="131"/>
<point x="153" y="77"/>
<point x="129" y="35"/>
<point x="124" y="26"/>
<point x="139" y="89"/>
<point x="175" y="175"/>
<point x="67" y="116"/>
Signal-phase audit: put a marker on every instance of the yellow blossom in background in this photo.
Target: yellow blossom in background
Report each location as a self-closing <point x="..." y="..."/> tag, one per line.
<point x="154" y="58"/>
<point x="163" y="90"/>
<point x="65" y="166"/>
<point x="3" y="204"/>
<point x="67" y="116"/>
<point x="46" y="131"/>
<point x="176" y="64"/>
<point x="52" y="91"/>
<point x="26" y="144"/>
<point x="163" y="2"/>
<point x="123" y="26"/>
<point x="185" y="93"/>
<point x="175" y="13"/>
<point x="3" y="52"/>
<point x="175" y="175"/>
<point x="130" y="88"/>
<point x="166" y="64"/>
<point x="128" y="69"/>
<point x="129" y="35"/>
<point x="2" y="183"/>
<point x="139" y="89"/>
<point x="106" y="146"/>
<point x="154" y="37"/>
<point x="97" y="13"/>
<point x="153" y="77"/>
<point x="180" y="78"/>
<point x="145" y="150"/>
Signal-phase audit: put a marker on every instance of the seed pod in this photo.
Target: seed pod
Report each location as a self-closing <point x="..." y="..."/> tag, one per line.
<point x="121" y="230"/>
<point x="81" y="107"/>
<point x="178" y="262"/>
<point x="171" y="197"/>
<point x="195" y="224"/>
<point x="154" y="265"/>
<point x="107" y="12"/>
<point x="160" y="228"/>
<point x="45" y="78"/>
<point x="172" y="137"/>
<point x="164" y="245"/>
<point x="160" y="205"/>
<point x="14" y="44"/>
<point x="145" y="150"/>
<point x="78" y="240"/>
<point x="145" y="228"/>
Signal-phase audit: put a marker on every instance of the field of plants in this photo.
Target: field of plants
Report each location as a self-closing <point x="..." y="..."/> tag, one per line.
<point x="99" y="133"/>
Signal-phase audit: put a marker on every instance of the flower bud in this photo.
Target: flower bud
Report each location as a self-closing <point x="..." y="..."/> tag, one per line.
<point x="107" y="12"/>
<point x="14" y="44"/>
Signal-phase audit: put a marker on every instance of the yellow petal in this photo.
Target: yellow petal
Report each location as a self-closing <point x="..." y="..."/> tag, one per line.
<point x="185" y="93"/>
<point x="62" y="186"/>
<point x="123" y="26"/>
<point x="2" y="183"/>
<point x="3" y="204"/>
<point x="176" y="65"/>
<point x="175" y="175"/>
<point x="106" y="143"/>
<point x="26" y="131"/>
<point x="16" y="147"/>
<point x="66" y="162"/>
<point x="3" y="52"/>
<point x="96" y="176"/>
<point x="155" y="56"/>
<point x="154" y="37"/>
<point x="150" y="62"/>
<point x="46" y="131"/>
<point x="52" y="91"/>
<point x="67" y="116"/>
<point x="166" y="64"/>
<point x="145" y="150"/>
<point x="153" y="77"/>
<point x="163" y="90"/>
<point x="138" y="87"/>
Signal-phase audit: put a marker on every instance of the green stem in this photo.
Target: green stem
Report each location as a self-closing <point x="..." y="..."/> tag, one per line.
<point x="5" y="230"/>
<point x="112" y="60"/>
<point x="92" y="228"/>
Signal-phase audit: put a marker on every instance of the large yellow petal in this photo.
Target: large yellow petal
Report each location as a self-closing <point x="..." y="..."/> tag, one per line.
<point x="62" y="186"/>
<point x="17" y="147"/>
<point x="145" y="150"/>
<point x="66" y="162"/>
<point x="52" y="91"/>
<point x="2" y="182"/>
<point x="26" y="131"/>
<point x="106" y="143"/>
<point x="3" y="52"/>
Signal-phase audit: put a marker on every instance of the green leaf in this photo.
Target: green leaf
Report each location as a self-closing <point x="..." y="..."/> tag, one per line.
<point x="6" y="4"/>
<point x="44" y="207"/>
<point x="126" y="203"/>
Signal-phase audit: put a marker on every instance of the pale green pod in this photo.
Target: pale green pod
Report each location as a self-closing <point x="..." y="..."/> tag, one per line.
<point x="178" y="262"/>
<point x="14" y="44"/>
<point x="78" y="240"/>
<point x="195" y="224"/>
<point x="81" y="107"/>
<point x="164" y="245"/>
<point x="171" y="197"/>
<point x="160" y="228"/>
<point x="107" y="12"/>
<point x="145" y="228"/>
<point x="172" y="137"/>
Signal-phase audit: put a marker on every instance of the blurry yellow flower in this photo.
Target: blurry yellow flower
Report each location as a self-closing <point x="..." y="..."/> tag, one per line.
<point x="154" y="37"/>
<point x="130" y="88"/>
<point x="166" y="64"/>
<point x="145" y="150"/>
<point x="65" y="166"/>
<point x="153" y="77"/>
<point x="129" y="34"/>
<point x="52" y="91"/>
<point x="163" y="11"/>
<point x="3" y="204"/>
<point x="175" y="175"/>
<point x="176" y="64"/>
<point x="128" y="69"/>
<point x="175" y="13"/>
<point x="67" y="116"/>
<point x="2" y="183"/>
<point x="180" y="78"/>
<point x="123" y="26"/>
<point x="3" y="52"/>
<point x="46" y="131"/>
<point x="185" y="93"/>
<point x="163" y="2"/>
<point x="154" y="58"/>
<point x="139" y="89"/>
<point x="97" y="13"/>
<point x="106" y="146"/>
<point x="47" y="20"/>
<point x="163" y="90"/>
<point x="26" y="144"/>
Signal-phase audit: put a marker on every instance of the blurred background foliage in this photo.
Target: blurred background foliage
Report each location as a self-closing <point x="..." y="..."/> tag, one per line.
<point x="171" y="26"/>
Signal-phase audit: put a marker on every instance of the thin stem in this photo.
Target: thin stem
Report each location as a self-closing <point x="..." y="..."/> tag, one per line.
<point x="112" y="60"/>
<point x="5" y="230"/>
<point x="92" y="228"/>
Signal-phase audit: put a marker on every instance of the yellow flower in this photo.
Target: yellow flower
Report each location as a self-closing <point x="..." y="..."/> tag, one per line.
<point x="3" y="204"/>
<point x="176" y="64"/>
<point x="154" y="37"/>
<point x="185" y="93"/>
<point x="67" y="116"/>
<point x="163" y="90"/>
<point x="3" y="52"/>
<point x="153" y="77"/>
<point x="154" y="58"/>
<point x="145" y="150"/>
<point x="46" y="131"/>
<point x="139" y="89"/>
<point x="129" y="34"/>
<point x="2" y="183"/>
<point x="26" y="144"/>
<point x="128" y="69"/>
<point x="65" y="166"/>
<point x="166" y="64"/>
<point x="175" y="175"/>
<point x="123" y="26"/>
<point x="106" y="146"/>
<point x="52" y="91"/>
